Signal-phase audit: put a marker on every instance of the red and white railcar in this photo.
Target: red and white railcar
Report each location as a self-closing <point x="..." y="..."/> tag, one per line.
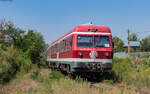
<point x="85" y="48"/>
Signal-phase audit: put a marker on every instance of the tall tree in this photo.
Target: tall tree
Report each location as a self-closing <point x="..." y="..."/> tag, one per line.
<point x="118" y="44"/>
<point x="134" y="37"/>
<point x="18" y="50"/>
<point x="9" y="34"/>
<point x="5" y="27"/>
<point x="34" y="46"/>
<point x="145" y="44"/>
<point x="31" y="43"/>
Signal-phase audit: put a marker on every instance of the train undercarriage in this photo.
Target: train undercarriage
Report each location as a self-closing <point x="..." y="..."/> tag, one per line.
<point x="81" y="68"/>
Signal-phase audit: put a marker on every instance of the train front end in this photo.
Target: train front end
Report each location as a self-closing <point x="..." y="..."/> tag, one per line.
<point x="92" y="49"/>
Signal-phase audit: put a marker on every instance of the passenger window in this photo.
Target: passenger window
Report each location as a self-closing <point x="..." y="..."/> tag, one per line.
<point x="70" y="42"/>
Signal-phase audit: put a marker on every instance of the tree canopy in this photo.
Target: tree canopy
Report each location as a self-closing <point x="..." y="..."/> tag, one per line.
<point x="31" y="43"/>
<point x="118" y="44"/>
<point x="134" y="37"/>
<point x="19" y="49"/>
<point x="145" y="44"/>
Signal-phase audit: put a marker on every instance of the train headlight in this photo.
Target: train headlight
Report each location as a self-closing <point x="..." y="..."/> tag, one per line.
<point x="80" y="54"/>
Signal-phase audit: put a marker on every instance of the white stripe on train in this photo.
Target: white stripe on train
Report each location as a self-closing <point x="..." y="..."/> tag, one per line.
<point x="80" y="60"/>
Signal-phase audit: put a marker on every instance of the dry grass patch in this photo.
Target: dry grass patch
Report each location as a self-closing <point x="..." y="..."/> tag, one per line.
<point x="26" y="85"/>
<point x="69" y="86"/>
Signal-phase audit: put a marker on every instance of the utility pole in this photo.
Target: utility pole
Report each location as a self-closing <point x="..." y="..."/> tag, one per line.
<point x="128" y="41"/>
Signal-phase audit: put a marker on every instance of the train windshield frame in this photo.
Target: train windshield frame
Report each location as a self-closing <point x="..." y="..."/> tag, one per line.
<point x="85" y="41"/>
<point x="93" y="41"/>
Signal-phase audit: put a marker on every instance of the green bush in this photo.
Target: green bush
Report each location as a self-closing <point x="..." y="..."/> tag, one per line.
<point x="34" y="47"/>
<point x="122" y="67"/>
<point x="145" y="56"/>
<point x="35" y="74"/>
<point x="11" y="62"/>
<point x="125" y="70"/>
<point x="55" y="75"/>
<point x="19" y="50"/>
<point x="147" y="62"/>
<point x="143" y="77"/>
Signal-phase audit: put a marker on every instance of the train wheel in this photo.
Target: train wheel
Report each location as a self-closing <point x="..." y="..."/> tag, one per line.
<point x="52" y="65"/>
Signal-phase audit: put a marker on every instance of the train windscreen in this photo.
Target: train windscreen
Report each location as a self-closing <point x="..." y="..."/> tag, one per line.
<point x="101" y="41"/>
<point x="84" y="41"/>
<point x="93" y="41"/>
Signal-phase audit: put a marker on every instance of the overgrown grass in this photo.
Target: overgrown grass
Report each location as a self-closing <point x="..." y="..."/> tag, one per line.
<point x="145" y="56"/>
<point x="128" y="71"/>
<point x="122" y="68"/>
<point x="35" y="74"/>
<point x="56" y="75"/>
<point x="127" y="77"/>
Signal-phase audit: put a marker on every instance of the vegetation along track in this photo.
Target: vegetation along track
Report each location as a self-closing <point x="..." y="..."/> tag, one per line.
<point x="96" y="86"/>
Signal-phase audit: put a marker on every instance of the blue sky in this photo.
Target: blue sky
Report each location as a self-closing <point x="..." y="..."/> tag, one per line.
<point x="53" y="18"/>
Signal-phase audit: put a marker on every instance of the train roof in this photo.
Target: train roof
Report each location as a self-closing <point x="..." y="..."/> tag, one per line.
<point x="86" y="28"/>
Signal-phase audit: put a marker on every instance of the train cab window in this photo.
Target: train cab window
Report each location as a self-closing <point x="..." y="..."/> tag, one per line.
<point x="84" y="41"/>
<point x="102" y="41"/>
